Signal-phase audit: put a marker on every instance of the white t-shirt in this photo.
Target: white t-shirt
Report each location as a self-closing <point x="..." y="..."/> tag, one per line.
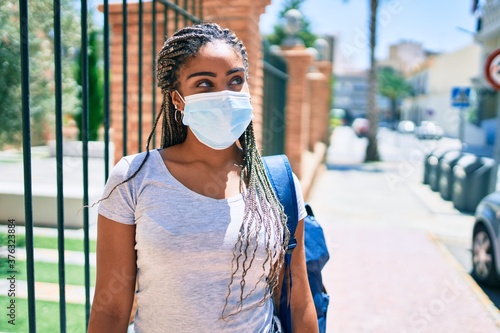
<point x="185" y="243"/>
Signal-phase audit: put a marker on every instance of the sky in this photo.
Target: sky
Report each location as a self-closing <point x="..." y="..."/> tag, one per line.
<point x="437" y="24"/>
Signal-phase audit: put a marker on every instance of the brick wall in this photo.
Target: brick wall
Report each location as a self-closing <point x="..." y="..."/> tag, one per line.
<point x="132" y="90"/>
<point x="325" y="67"/>
<point x="297" y="106"/>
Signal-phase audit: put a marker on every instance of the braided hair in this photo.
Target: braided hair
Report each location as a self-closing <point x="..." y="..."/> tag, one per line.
<point x="262" y="208"/>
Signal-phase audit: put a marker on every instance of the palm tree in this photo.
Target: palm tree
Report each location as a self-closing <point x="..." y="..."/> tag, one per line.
<point x="372" y="148"/>
<point x="373" y="117"/>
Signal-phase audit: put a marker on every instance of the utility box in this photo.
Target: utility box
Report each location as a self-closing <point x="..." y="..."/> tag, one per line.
<point x="472" y="177"/>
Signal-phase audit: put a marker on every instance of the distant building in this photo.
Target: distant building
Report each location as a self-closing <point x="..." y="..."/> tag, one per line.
<point x="350" y="93"/>
<point x="432" y="82"/>
<point x="405" y="56"/>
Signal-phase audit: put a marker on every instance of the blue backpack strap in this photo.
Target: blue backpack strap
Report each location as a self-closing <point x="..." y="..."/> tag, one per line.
<point x="280" y="175"/>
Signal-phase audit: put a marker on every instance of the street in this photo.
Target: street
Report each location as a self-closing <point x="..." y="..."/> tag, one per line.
<point x="395" y="244"/>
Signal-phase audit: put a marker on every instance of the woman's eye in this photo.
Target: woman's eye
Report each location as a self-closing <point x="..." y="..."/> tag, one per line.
<point x="237" y="80"/>
<point x="204" y="84"/>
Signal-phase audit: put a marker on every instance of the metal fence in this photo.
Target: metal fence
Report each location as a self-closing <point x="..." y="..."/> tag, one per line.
<point x="274" y="101"/>
<point x="184" y="12"/>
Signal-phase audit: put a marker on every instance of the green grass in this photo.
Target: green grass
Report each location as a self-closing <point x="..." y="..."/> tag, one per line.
<point x="47" y="315"/>
<point x="48" y="272"/>
<point x="44" y="242"/>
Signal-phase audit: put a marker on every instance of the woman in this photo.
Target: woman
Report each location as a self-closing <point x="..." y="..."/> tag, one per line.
<point x="197" y="222"/>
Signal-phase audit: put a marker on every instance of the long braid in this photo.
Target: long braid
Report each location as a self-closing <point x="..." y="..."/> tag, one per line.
<point x="262" y="208"/>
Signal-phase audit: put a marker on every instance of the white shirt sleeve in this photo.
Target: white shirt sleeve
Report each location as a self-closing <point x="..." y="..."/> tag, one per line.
<point x="300" y="199"/>
<point x="118" y="203"/>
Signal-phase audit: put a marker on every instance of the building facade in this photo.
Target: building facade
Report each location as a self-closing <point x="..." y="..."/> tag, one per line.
<point x="432" y="83"/>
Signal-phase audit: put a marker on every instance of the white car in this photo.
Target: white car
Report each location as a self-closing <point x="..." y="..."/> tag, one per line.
<point x="360" y="127"/>
<point x="429" y="130"/>
<point x="406" y="126"/>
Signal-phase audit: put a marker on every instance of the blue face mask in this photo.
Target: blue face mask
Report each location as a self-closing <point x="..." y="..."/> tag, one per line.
<point x="218" y="119"/>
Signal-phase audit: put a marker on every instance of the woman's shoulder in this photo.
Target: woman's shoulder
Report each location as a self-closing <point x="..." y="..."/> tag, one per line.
<point x="129" y="164"/>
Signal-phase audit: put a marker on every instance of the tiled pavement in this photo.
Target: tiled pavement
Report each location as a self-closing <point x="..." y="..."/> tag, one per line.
<point x="388" y="271"/>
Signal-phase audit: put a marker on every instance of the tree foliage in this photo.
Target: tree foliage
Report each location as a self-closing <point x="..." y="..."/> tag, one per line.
<point x="279" y="34"/>
<point x="95" y="88"/>
<point x="392" y="85"/>
<point x="10" y="80"/>
<point x="41" y="62"/>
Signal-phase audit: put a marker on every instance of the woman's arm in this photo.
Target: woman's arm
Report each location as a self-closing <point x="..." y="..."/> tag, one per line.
<point x="116" y="275"/>
<point x="304" y="318"/>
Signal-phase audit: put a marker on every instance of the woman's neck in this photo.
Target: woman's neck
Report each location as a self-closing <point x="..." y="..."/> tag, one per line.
<point x="192" y="150"/>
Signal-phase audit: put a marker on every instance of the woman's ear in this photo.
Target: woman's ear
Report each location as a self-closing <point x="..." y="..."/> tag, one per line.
<point x="177" y="100"/>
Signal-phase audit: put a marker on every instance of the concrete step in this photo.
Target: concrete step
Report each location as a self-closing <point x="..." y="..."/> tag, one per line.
<point x="47" y="291"/>
<point x="51" y="256"/>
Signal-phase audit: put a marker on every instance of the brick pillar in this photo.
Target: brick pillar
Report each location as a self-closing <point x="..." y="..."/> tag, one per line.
<point x="242" y="17"/>
<point x="316" y="83"/>
<point x="297" y="105"/>
<point x="133" y="79"/>
<point x="326" y="68"/>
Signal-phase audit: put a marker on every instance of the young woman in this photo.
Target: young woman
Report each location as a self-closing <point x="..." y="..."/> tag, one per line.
<point x="197" y="223"/>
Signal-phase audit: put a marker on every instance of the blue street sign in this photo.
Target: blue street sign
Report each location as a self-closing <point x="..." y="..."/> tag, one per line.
<point x="460" y="97"/>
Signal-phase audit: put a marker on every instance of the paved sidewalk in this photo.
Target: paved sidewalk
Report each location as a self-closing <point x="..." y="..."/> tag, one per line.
<point x="388" y="272"/>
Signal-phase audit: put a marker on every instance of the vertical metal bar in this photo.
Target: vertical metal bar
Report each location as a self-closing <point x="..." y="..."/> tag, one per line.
<point x="154" y="71"/>
<point x="176" y="17"/>
<point x="28" y="194"/>
<point x="165" y="21"/>
<point x="140" y="76"/>
<point x="124" y="97"/>
<point x="106" y="90"/>
<point x="496" y="151"/>
<point x="85" y="153"/>
<point x="193" y="7"/>
<point x="59" y="162"/>
<point x="186" y="8"/>
<point x="200" y="6"/>
<point x="165" y="35"/>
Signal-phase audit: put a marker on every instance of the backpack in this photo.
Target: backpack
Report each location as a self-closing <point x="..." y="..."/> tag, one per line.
<point x="280" y="175"/>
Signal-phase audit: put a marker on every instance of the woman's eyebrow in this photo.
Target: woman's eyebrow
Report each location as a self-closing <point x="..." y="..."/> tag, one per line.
<point x="202" y="74"/>
<point x="234" y="70"/>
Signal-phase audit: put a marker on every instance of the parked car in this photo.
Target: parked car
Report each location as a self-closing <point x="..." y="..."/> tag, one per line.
<point x="429" y="130"/>
<point x="406" y="126"/>
<point x="486" y="241"/>
<point x="360" y="127"/>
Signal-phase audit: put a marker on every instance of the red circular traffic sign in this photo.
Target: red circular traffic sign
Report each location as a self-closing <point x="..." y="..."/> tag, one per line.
<point x="492" y="69"/>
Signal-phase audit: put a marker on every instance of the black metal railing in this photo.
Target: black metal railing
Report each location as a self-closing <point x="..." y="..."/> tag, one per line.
<point x="274" y="102"/>
<point x="184" y="12"/>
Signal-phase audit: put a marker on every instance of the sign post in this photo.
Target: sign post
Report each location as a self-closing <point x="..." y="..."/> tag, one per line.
<point x="460" y="98"/>
<point x="492" y="75"/>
